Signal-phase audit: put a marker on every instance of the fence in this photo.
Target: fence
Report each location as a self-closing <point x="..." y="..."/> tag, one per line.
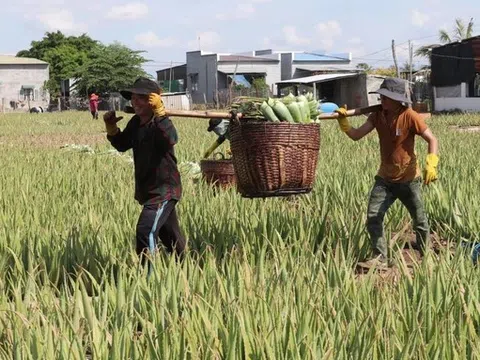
<point x="114" y="102"/>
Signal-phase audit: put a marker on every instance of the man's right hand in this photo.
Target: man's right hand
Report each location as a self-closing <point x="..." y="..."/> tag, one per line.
<point x="342" y="119"/>
<point x="110" y="117"/>
<point x="111" y="121"/>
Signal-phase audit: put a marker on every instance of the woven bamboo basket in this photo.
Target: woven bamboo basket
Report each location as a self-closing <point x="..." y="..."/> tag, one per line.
<point x="274" y="159"/>
<point x="219" y="173"/>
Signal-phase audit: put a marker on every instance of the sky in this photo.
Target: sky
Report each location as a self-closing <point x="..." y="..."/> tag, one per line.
<point x="166" y="30"/>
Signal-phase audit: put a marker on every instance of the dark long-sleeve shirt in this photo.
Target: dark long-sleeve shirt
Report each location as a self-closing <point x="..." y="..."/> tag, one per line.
<point x="156" y="174"/>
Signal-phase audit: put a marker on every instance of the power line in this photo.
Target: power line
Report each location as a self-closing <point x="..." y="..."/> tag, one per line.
<point x="437" y="55"/>
<point x="364" y="57"/>
<point x="379" y="51"/>
<point x="398" y="45"/>
<point x="167" y="63"/>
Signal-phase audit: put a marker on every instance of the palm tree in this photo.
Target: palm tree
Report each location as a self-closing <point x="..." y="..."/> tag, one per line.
<point x="460" y="32"/>
<point x="406" y="67"/>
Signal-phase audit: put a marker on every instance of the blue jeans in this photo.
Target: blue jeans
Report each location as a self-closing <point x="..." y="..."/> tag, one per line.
<point x="382" y="196"/>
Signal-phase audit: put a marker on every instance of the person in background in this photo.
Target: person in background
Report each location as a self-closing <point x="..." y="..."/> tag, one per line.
<point x="94" y="106"/>
<point x="152" y="136"/>
<point x="220" y="128"/>
<point x="36" y="110"/>
<point x="399" y="176"/>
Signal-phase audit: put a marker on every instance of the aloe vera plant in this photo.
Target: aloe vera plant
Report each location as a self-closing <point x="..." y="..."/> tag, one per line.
<point x="262" y="279"/>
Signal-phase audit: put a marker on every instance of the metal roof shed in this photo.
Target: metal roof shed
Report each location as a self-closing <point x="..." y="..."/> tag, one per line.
<point x="315" y="79"/>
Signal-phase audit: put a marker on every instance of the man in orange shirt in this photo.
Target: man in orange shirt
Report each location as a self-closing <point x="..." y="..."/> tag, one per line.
<point x="399" y="176"/>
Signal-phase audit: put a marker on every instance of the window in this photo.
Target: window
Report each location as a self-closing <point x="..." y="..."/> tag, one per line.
<point x="194" y="81"/>
<point x="28" y="92"/>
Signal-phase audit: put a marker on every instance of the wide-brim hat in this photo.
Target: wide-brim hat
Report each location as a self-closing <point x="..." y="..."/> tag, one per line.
<point x="395" y="89"/>
<point x="141" y="86"/>
<point x="213" y="123"/>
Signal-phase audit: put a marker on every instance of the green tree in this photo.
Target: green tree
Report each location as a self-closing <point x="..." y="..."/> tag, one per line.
<point x="406" y="67"/>
<point x="38" y="48"/>
<point x="65" y="55"/>
<point x="260" y="86"/>
<point x="365" y="67"/>
<point x="389" y="71"/>
<point x="460" y="32"/>
<point x="64" y="61"/>
<point x="109" y="69"/>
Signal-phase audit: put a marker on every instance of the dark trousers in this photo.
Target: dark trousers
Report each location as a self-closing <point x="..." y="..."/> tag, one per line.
<point x="159" y="221"/>
<point x="382" y="196"/>
<point x="94" y="114"/>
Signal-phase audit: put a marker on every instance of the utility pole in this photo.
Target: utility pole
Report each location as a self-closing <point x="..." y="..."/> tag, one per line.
<point x="231" y="84"/>
<point x="410" y="55"/>
<point x="216" y="85"/>
<point x="395" y="59"/>
<point x="170" y="81"/>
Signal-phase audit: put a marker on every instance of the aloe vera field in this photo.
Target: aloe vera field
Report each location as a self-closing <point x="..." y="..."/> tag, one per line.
<point x="268" y="278"/>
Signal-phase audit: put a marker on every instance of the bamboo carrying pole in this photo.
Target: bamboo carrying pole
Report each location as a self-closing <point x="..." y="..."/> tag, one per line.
<point x="225" y="115"/>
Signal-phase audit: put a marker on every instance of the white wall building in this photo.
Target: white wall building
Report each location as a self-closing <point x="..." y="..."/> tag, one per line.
<point x="22" y="80"/>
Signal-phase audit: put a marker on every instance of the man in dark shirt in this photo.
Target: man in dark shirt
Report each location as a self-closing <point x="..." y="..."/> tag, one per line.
<point x="152" y="136"/>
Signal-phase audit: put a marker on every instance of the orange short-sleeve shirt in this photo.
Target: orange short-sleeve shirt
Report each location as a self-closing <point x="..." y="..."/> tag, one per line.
<point x="396" y="133"/>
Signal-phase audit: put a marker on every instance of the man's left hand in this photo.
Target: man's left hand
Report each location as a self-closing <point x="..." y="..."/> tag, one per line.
<point x="156" y="103"/>
<point x="342" y="119"/>
<point x="430" y="173"/>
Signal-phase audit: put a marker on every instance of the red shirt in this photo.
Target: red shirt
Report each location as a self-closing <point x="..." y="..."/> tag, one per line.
<point x="94" y="103"/>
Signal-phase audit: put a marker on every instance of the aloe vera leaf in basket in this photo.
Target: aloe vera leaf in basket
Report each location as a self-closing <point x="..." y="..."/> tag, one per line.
<point x="294" y="110"/>
<point x="302" y="98"/>
<point x="302" y="111"/>
<point x="288" y="99"/>
<point x="306" y="111"/>
<point x="281" y="111"/>
<point x="268" y="112"/>
<point x="313" y="105"/>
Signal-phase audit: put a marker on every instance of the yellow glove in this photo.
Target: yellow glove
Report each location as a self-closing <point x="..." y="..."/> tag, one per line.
<point x="156" y="103"/>
<point x="342" y="119"/>
<point x="111" y="120"/>
<point x="430" y="173"/>
<point x="211" y="149"/>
